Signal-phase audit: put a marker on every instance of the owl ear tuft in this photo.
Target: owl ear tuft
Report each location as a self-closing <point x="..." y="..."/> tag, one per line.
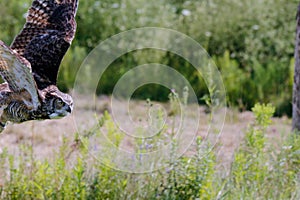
<point x="42" y="95"/>
<point x="46" y="92"/>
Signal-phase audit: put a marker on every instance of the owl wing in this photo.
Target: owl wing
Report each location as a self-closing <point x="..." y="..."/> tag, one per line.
<point x="46" y="36"/>
<point x="16" y="71"/>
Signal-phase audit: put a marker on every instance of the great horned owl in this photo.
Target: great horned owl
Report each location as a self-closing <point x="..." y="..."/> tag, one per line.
<point x="30" y="65"/>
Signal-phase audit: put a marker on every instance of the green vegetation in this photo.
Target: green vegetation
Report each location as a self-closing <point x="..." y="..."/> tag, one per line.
<point x="251" y="42"/>
<point x="259" y="170"/>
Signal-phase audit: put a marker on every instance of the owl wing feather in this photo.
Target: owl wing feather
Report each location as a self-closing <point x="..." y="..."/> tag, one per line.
<point x="46" y="36"/>
<point x="16" y="71"/>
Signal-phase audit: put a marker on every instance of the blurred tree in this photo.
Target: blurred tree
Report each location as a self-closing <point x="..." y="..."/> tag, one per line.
<point x="296" y="88"/>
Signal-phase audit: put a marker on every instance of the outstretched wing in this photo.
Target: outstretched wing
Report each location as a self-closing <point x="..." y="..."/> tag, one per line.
<point x="46" y="36"/>
<point x="16" y="71"/>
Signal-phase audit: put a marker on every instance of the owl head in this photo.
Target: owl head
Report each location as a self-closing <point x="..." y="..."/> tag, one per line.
<point x="56" y="104"/>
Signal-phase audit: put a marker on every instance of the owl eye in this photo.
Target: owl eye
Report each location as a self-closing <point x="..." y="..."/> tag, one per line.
<point x="59" y="103"/>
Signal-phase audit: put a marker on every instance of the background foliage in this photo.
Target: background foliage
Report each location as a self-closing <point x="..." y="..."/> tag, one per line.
<point x="251" y="42"/>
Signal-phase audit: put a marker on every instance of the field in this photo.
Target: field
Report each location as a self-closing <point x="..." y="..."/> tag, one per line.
<point x="45" y="141"/>
<point x="163" y="144"/>
<point x="35" y="154"/>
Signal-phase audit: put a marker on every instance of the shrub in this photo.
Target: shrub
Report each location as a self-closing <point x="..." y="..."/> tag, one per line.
<point x="259" y="171"/>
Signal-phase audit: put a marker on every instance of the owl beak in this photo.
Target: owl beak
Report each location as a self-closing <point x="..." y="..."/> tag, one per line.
<point x="69" y="110"/>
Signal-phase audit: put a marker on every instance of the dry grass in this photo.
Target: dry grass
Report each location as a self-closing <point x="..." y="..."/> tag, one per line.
<point x="46" y="136"/>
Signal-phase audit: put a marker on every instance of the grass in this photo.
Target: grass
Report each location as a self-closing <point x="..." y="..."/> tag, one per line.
<point x="258" y="171"/>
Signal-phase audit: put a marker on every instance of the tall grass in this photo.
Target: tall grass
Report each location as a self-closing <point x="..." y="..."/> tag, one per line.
<point x="259" y="171"/>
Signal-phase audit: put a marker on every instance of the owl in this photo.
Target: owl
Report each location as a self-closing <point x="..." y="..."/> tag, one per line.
<point x="30" y="65"/>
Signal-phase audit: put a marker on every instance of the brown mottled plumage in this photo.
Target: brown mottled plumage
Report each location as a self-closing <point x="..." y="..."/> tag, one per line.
<point x="30" y="66"/>
<point x="47" y="34"/>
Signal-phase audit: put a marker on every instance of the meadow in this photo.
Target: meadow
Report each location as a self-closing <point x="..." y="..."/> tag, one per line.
<point x="254" y="158"/>
<point x="257" y="156"/>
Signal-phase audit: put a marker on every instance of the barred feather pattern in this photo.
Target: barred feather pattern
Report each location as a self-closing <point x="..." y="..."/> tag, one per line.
<point x="47" y="35"/>
<point x="16" y="112"/>
<point x="16" y="71"/>
<point x="40" y="19"/>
